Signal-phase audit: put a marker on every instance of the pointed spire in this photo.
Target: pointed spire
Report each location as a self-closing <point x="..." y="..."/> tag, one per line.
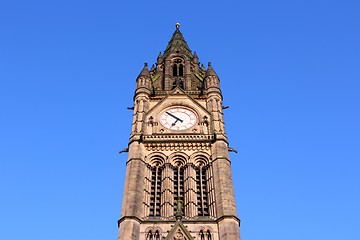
<point x="145" y="71"/>
<point x="210" y="71"/>
<point x="177" y="43"/>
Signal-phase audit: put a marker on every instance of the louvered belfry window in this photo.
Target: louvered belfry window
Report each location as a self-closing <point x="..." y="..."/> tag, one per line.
<point x="179" y="179"/>
<point x="178" y="186"/>
<point x="202" y="192"/>
<point x="155" y="193"/>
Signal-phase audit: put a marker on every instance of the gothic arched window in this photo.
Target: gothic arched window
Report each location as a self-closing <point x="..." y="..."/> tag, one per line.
<point x="181" y="70"/>
<point x="178" y="67"/>
<point x="149" y="236"/>
<point x="175" y="72"/>
<point x="155" y="192"/>
<point x="202" y="235"/>
<point x="157" y="235"/>
<point x="201" y="190"/>
<point x="208" y="235"/>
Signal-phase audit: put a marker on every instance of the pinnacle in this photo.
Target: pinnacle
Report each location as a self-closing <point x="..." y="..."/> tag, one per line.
<point x="210" y="71"/>
<point x="145" y="71"/>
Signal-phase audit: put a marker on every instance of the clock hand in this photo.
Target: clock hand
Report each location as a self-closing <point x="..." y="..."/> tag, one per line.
<point x="173" y="124"/>
<point x="176" y="118"/>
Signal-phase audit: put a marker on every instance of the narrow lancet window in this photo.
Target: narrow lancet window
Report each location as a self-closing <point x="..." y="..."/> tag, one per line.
<point x="208" y="235"/>
<point x="157" y="235"/>
<point x="149" y="236"/>
<point x="175" y="72"/>
<point x="178" y="186"/>
<point x="202" y="193"/>
<point x="181" y="70"/>
<point x="202" y="236"/>
<point x="155" y="194"/>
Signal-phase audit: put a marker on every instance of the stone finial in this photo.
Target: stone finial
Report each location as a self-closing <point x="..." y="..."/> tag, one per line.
<point x="177" y="25"/>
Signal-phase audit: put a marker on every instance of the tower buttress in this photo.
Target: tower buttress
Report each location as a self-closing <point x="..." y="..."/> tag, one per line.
<point x="132" y="210"/>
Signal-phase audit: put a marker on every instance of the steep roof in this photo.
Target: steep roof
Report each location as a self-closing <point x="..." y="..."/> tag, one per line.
<point x="210" y="71"/>
<point x="145" y="71"/>
<point x="179" y="230"/>
<point x="177" y="43"/>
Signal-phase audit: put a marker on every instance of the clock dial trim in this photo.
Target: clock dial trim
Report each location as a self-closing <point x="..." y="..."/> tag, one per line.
<point x="178" y="118"/>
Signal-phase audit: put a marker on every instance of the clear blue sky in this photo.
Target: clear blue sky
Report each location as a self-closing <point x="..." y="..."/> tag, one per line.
<point x="289" y="71"/>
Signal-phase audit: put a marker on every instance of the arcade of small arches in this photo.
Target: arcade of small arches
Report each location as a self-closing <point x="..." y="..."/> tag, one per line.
<point x="156" y="234"/>
<point x="177" y="181"/>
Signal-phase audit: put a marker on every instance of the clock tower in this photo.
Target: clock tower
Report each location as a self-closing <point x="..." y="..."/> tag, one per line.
<point x="178" y="181"/>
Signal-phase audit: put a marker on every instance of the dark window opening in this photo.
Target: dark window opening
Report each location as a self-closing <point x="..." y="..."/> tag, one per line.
<point x="178" y="186"/>
<point x="181" y="70"/>
<point x="202" y="192"/>
<point x="157" y="235"/>
<point x="208" y="234"/>
<point x="149" y="236"/>
<point x="155" y="192"/>
<point x="175" y="72"/>
<point x="178" y="68"/>
<point x="202" y="236"/>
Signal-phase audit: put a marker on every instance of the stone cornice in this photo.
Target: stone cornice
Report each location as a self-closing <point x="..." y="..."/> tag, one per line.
<point x="128" y="218"/>
<point x="178" y="138"/>
<point x="177" y="146"/>
<point x="196" y="220"/>
<point x="233" y="217"/>
<point x="138" y="159"/>
<point x="221" y="158"/>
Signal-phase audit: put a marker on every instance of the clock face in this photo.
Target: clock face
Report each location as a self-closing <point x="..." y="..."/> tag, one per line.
<point x="178" y="119"/>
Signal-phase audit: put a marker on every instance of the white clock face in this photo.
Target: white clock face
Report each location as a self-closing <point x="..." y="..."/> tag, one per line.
<point x="178" y="119"/>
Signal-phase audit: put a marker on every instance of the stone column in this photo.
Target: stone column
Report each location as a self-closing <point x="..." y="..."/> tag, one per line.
<point x="167" y="187"/>
<point x="147" y="191"/>
<point x="214" y="104"/>
<point x="187" y="74"/>
<point x="211" y="192"/>
<point x="190" y="191"/>
<point x="168" y="74"/>
<point x="140" y="107"/>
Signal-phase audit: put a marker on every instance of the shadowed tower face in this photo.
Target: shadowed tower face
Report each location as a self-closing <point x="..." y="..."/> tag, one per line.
<point x="178" y="182"/>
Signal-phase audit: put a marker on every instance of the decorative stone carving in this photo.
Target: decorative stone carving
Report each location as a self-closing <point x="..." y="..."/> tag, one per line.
<point x="179" y="235"/>
<point x="177" y="146"/>
<point x="175" y="175"/>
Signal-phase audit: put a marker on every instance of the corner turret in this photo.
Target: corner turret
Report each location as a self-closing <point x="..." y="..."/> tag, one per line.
<point x="212" y="81"/>
<point x="143" y="81"/>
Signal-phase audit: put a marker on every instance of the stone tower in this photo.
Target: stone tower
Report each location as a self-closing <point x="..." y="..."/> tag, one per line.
<point x="178" y="182"/>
